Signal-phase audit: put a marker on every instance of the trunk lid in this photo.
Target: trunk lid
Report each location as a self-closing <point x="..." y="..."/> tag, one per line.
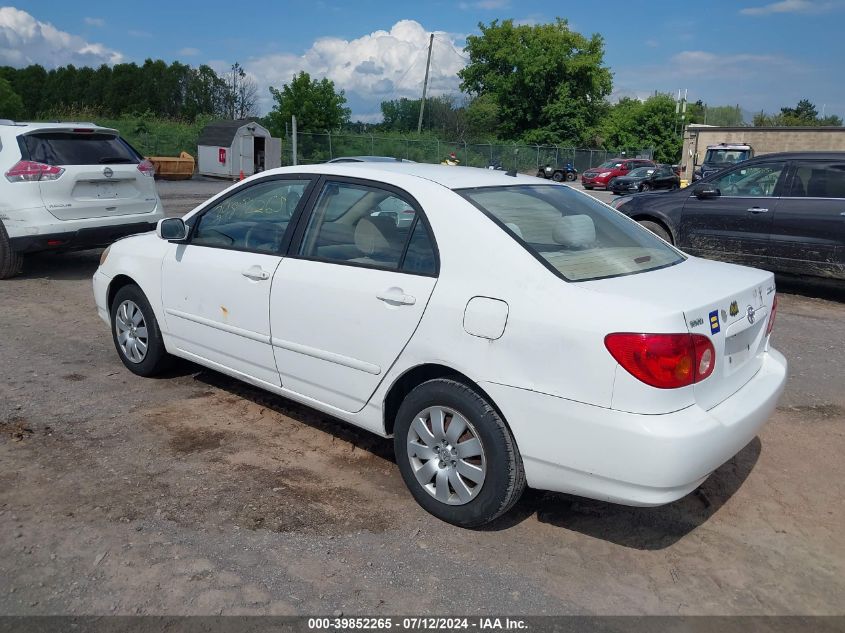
<point x="715" y="299"/>
<point x="101" y="176"/>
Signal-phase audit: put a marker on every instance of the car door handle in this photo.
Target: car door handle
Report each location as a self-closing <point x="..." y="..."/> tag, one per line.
<point x="396" y="296"/>
<point x="256" y="273"/>
<point x="758" y="210"/>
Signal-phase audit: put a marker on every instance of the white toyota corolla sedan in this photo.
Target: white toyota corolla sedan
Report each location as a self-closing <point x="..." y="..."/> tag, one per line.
<point x="504" y="330"/>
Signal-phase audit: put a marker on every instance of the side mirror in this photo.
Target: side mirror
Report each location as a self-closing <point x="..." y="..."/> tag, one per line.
<point x="171" y="229"/>
<point x="706" y="192"/>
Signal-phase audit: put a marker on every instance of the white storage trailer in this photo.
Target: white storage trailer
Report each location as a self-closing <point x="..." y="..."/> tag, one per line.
<point x="227" y="148"/>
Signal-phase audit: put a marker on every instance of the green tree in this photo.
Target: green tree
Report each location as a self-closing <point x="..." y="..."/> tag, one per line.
<point x="548" y="81"/>
<point x="316" y="105"/>
<point x="11" y="105"/>
<point x="482" y="117"/>
<point x="634" y="124"/>
<point x="804" y="113"/>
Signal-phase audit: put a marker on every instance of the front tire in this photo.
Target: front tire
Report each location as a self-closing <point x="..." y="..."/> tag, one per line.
<point x="658" y="229"/>
<point x="11" y="262"/>
<point x="456" y="455"/>
<point x="570" y="176"/>
<point x="136" y="335"/>
<point x="646" y="187"/>
<point x="557" y="176"/>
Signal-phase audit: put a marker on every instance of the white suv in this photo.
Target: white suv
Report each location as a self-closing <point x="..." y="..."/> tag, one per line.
<point x="68" y="186"/>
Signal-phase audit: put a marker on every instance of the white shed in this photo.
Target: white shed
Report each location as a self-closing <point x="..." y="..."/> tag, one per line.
<point x="227" y="148"/>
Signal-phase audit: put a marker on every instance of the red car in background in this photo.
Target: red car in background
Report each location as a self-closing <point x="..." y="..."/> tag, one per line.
<point x="600" y="177"/>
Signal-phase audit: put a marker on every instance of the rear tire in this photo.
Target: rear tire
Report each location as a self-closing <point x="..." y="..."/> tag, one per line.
<point x="136" y="335"/>
<point x="658" y="229"/>
<point x="456" y="455"/>
<point x="11" y="262"/>
<point x="557" y="176"/>
<point x="571" y="176"/>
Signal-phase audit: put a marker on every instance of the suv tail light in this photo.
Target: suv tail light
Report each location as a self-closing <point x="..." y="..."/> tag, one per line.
<point x="147" y="168"/>
<point x="30" y="171"/>
<point x="665" y="361"/>
<point x="771" y="324"/>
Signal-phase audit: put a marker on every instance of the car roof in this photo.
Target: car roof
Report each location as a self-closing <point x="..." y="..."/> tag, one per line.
<point x="797" y="155"/>
<point x="367" y="159"/>
<point x="25" y="126"/>
<point x="452" y="177"/>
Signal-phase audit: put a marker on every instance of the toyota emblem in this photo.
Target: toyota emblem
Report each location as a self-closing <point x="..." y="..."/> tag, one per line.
<point x="750" y="313"/>
<point x="107" y="172"/>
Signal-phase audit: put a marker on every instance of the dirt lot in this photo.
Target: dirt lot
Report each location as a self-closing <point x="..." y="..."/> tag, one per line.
<point x="197" y="494"/>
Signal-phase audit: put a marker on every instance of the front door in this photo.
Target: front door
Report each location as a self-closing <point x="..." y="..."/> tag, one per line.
<point x="736" y="223"/>
<point x="351" y="293"/>
<point x="808" y="233"/>
<point x="216" y="287"/>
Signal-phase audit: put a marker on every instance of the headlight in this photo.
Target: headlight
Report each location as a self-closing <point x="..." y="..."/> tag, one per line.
<point x="603" y="174"/>
<point x="105" y="255"/>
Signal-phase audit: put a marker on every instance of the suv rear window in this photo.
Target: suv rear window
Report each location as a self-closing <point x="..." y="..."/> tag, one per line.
<point x="572" y="234"/>
<point x="69" y="148"/>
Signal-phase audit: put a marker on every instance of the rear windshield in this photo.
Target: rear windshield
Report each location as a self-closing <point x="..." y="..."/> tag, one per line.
<point x="572" y="234"/>
<point x="68" y="148"/>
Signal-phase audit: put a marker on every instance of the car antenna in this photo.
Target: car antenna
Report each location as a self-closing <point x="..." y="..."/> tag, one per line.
<point x="511" y="173"/>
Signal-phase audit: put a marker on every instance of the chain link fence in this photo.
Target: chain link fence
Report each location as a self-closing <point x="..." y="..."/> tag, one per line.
<point x="163" y="144"/>
<point x="321" y="147"/>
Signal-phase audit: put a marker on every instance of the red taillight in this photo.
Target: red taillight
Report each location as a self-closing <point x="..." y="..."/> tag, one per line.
<point x="665" y="361"/>
<point x="147" y="168"/>
<point x="30" y="171"/>
<point x="774" y="312"/>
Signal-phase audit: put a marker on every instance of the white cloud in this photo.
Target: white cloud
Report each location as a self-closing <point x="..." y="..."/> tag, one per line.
<point x="25" y="40"/>
<point x="98" y="22"/>
<point x="137" y="33"/>
<point x="794" y="6"/>
<point x="189" y="51"/>
<point x="375" y="67"/>
<point x="741" y="65"/>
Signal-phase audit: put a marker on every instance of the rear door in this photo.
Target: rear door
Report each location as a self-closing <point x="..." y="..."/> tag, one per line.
<point x="808" y="232"/>
<point x="351" y="292"/>
<point x="735" y="224"/>
<point x="101" y="176"/>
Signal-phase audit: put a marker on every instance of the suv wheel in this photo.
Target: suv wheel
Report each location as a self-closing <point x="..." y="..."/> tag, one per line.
<point x="456" y="455"/>
<point x="657" y="229"/>
<point x="11" y="262"/>
<point x="136" y="335"/>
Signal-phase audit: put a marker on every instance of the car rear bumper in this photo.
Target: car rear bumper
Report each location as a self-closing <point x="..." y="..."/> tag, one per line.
<point x="89" y="237"/>
<point x="634" y="459"/>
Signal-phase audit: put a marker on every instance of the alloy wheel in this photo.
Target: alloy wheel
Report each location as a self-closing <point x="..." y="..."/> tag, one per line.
<point x="131" y="329"/>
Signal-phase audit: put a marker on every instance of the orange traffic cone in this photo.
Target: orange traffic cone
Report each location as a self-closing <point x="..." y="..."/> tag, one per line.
<point x="242" y="175"/>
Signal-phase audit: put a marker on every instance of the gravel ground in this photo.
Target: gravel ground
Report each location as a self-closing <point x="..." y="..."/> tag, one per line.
<point x="197" y="494"/>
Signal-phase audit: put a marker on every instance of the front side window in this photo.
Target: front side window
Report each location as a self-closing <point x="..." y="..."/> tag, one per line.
<point x="366" y="225"/>
<point x="574" y="235"/>
<point x="756" y="181"/>
<point x="253" y="219"/>
<point x="815" y="179"/>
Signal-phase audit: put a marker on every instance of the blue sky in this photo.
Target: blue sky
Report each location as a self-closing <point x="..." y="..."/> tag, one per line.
<point x="761" y="54"/>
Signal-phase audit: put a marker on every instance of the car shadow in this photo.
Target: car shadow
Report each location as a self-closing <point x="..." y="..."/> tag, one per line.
<point x="638" y="528"/>
<point x="70" y="266"/>
<point x="813" y="287"/>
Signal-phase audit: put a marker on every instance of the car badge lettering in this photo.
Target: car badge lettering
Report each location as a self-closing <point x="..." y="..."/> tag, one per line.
<point x="107" y="172"/>
<point x="696" y="322"/>
<point x="734" y="308"/>
<point x="714" y="322"/>
<point x="750" y="312"/>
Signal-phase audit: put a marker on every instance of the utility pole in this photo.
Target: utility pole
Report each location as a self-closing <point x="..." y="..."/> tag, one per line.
<point x="425" y="82"/>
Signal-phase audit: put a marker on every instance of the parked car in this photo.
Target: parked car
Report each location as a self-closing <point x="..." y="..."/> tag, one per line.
<point x="599" y="177"/>
<point x="610" y="375"/>
<point x="559" y="173"/>
<point x="721" y="156"/>
<point x="783" y="212"/>
<point x="646" y="179"/>
<point x="70" y="186"/>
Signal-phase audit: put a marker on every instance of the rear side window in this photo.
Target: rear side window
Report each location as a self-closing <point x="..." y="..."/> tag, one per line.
<point x="818" y="180"/>
<point x="572" y="234"/>
<point x="68" y="148"/>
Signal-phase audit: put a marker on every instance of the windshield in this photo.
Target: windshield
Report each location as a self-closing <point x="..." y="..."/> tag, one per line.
<point x="611" y="164"/>
<point x="726" y="156"/>
<point x="572" y="234"/>
<point x="641" y="172"/>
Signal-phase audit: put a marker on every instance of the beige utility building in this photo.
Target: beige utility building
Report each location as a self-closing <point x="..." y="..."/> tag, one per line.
<point x="763" y="140"/>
